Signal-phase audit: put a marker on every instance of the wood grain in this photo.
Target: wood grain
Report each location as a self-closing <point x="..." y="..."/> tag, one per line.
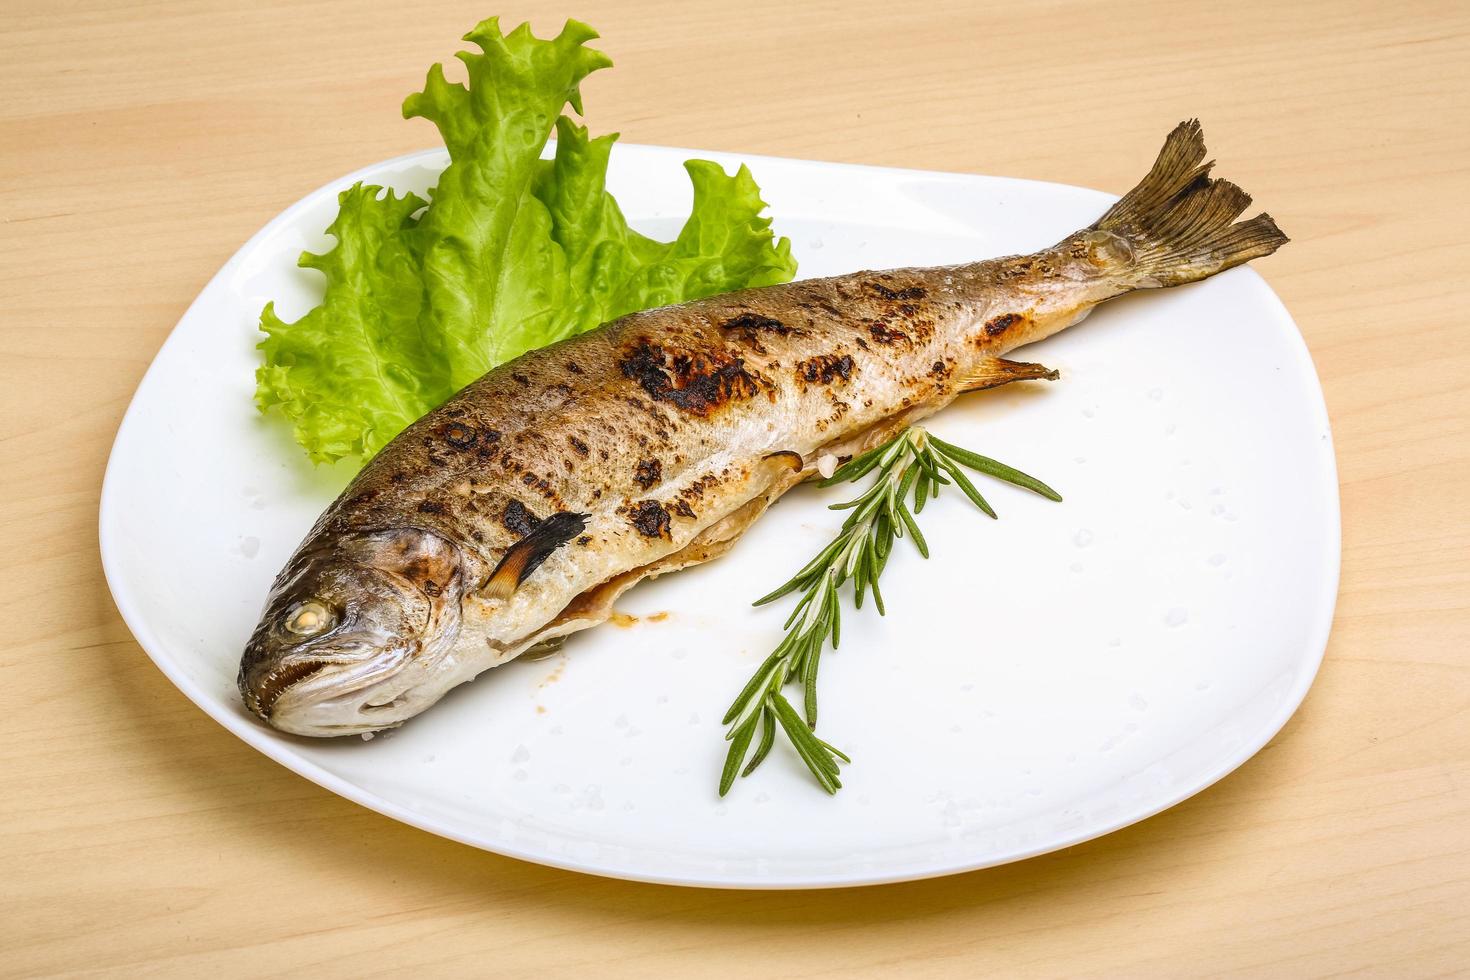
<point x="141" y="143"/>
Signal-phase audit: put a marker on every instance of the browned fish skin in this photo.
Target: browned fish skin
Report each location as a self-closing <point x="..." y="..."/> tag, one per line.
<point x="663" y="424"/>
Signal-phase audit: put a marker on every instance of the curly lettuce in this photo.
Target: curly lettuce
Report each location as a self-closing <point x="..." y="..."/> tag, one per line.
<point x="510" y="253"/>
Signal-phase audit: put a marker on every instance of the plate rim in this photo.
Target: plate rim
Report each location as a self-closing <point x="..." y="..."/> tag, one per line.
<point x="246" y="731"/>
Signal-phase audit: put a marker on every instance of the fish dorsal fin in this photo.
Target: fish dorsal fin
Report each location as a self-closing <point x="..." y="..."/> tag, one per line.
<point x="527" y="554"/>
<point x="996" y="371"/>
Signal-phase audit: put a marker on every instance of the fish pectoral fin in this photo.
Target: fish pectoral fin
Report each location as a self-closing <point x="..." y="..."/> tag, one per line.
<point x="527" y="554"/>
<point x="996" y="371"/>
<point x="596" y="604"/>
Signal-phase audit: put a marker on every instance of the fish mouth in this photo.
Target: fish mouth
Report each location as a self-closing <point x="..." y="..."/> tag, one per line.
<point x="261" y="698"/>
<point x="330" y="708"/>
<point x="325" y="697"/>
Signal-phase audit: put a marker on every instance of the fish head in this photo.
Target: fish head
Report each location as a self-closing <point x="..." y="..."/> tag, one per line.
<point x="356" y="633"/>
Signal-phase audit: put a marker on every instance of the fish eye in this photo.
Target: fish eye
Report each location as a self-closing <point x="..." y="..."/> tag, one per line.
<point x="309" y="618"/>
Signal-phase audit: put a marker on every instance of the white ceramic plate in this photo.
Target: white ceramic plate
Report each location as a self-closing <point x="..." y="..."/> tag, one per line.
<point x="1045" y="678"/>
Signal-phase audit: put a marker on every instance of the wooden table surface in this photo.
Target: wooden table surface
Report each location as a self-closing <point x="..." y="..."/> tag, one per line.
<point x="141" y="143"/>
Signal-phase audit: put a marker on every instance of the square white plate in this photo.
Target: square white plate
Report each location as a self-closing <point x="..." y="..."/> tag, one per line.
<point x="1042" y="679"/>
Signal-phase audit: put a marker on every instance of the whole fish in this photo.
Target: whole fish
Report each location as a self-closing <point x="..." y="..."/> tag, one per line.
<point x="516" y="513"/>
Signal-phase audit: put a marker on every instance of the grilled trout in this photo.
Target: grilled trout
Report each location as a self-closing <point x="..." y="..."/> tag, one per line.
<point x="515" y="514"/>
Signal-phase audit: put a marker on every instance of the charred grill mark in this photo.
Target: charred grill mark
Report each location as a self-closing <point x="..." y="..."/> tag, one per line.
<point x="939" y="370"/>
<point x="885" y="334"/>
<point x="749" y="327"/>
<point x="431" y="507"/>
<point x="696" y="490"/>
<point x="574" y="367"/>
<point x="682" y="508"/>
<point x="579" y="446"/>
<point x="460" y="436"/>
<point x="839" y="407"/>
<point x="1016" y="268"/>
<point x="584" y="540"/>
<point x="521" y="380"/>
<point x="542" y="486"/>
<point x="649" y="518"/>
<point x="361" y="499"/>
<point x="649" y="472"/>
<point x="998" y="325"/>
<point x="692" y="381"/>
<point x="921" y="327"/>
<point x="908" y="292"/>
<point x="823" y="368"/>
<point x="1028" y="265"/>
<point x="518" y="519"/>
<point x="647" y="408"/>
<point x="755" y="323"/>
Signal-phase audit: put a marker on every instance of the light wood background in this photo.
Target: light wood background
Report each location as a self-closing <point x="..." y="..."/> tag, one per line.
<point x="142" y="142"/>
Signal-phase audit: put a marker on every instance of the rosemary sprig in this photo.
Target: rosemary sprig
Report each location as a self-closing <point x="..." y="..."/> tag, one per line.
<point x="913" y="463"/>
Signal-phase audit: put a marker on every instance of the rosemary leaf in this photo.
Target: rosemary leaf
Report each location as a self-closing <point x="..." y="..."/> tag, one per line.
<point x="968" y="487"/>
<point x="908" y="521"/>
<point x="991" y="467"/>
<point x="768" y="739"/>
<point x="736" y="756"/>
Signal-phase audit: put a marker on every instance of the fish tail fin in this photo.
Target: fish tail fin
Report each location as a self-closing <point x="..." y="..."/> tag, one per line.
<point x="1179" y="222"/>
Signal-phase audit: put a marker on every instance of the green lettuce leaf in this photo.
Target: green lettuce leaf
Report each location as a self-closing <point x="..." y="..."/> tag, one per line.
<point x="512" y="253"/>
<point x="355" y="371"/>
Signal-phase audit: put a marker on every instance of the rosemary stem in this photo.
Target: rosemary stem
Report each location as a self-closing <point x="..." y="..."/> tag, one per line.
<point x="912" y="464"/>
